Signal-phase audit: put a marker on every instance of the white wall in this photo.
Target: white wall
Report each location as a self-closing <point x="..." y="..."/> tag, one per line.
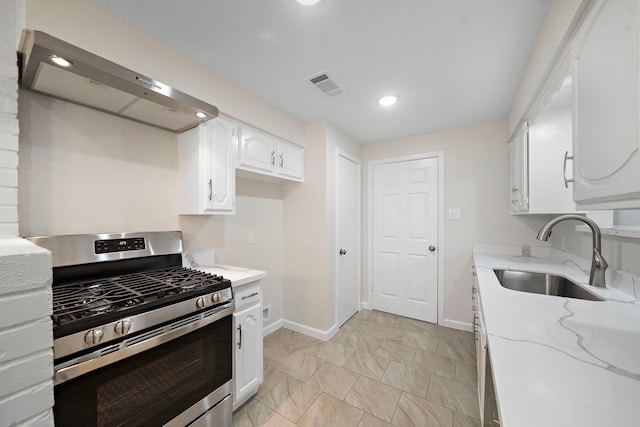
<point x="476" y="169"/>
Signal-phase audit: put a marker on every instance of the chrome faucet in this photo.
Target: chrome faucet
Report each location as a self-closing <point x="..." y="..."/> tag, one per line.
<point x="598" y="263"/>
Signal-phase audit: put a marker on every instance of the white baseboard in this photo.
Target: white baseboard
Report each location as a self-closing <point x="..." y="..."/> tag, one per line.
<point x="456" y="324"/>
<point x="274" y="326"/>
<point x="365" y="305"/>
<point x="308" y="330"/>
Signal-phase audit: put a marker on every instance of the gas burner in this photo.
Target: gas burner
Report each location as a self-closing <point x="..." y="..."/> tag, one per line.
<point x="98" y="306"/>
<point x="187" y="286"/>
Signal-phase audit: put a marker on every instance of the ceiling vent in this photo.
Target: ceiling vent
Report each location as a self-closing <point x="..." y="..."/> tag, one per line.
<point x="327" y="84"/>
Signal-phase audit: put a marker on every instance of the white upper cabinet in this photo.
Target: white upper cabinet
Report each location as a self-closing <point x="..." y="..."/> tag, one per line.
<point x="270" y="156"/>
<point x="256" y="151"/>
<point x="207" y="169"/>
<point x="605" y="141"/>
<point x="519" y="171"/>
<point x="541" y="164"/>
<point x="290" y="161"/>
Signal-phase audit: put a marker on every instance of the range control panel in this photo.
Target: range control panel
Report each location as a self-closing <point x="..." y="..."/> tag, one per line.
<point x="119" y="245"/>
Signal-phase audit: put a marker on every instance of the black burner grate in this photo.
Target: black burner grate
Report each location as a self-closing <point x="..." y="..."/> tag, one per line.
<point x="95" y="297"/>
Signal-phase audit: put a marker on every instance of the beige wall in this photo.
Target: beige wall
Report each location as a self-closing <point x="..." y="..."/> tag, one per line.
<point x="309" y="242"/>
<point x="476" y="174"/>
<point x="84" y="171"/>
<point x="262" y="217"/>
<point x="89" y="26"/>
<point x="305" y="239"/>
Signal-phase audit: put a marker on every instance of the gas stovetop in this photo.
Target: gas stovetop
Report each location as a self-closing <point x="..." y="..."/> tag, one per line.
<point x="109" y="286"/>
<point x="85" y="302"/>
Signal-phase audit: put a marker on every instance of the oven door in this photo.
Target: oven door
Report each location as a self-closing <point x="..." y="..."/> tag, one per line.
<point x="177" y="381"/>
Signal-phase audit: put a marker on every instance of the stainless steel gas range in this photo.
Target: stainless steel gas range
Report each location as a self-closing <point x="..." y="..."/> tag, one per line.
<point x="138" y="338"/>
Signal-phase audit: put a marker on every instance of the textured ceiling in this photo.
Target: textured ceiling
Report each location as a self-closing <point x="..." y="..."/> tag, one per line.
<point x="452" y="63"/>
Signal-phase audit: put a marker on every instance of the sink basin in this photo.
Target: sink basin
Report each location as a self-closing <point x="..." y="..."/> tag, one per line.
<point x="543" y="283"/>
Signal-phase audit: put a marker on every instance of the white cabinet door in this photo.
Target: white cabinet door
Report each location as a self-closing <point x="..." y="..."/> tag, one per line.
<point x="257" y="151"/>
<point x="549" y="158"/>
<point x="207" y="173"/>
<point x="606" y="144"/>
<point x="269" y="156"/>
<point x="223" y="185"/>
<point x="290" y="161"/>
<point x="248" y="351"/>
<point x="519" y="171"/>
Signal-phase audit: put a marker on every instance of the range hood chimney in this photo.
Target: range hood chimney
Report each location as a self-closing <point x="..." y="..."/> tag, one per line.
<point x="57" y="68"/>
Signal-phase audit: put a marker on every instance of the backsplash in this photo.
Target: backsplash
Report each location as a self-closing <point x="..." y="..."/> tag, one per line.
<point x="622" y="254"/>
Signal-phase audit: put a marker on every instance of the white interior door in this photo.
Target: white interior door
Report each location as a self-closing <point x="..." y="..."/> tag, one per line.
<point x="405" y="238"/>
<point x="347" y="237"/>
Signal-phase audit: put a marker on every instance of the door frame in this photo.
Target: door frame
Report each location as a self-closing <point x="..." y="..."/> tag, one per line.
<point x="340" y="153"/>
<point x="439" y="155"/>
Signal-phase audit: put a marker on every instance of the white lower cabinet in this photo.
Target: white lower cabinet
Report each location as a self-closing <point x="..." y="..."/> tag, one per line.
<point x="267" y="155"/>
<point x="247" y="356"/>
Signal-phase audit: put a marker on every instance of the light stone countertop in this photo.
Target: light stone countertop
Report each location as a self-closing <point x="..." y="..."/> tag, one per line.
<point x="559" y="361"/>
<point x="238" y="275"/>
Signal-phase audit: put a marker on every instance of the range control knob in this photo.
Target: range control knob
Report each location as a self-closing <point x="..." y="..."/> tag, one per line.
<point x="94" y="336"/>
<point x="122" y="327"/>
<point x="201" y="302"/>
<point x="215" y="297"/>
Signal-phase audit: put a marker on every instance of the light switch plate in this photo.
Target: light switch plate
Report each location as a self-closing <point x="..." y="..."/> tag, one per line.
<point x="455" y="213"/>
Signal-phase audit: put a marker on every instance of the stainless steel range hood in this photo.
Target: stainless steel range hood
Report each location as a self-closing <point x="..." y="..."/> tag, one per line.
<point x="98" y="83"/>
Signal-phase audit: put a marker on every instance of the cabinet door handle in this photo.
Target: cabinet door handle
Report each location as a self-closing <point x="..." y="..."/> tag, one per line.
<point x="249" y="296"/>
<point x="273" y="158"/>
<point x="564" y="169"/>
<point x="210" y="189"/>
<point x="240" y="340"/>
<point x="281" y="160"/>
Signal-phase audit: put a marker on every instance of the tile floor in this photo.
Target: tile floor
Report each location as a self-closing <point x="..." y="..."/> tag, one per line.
<point x="378" y="370"/>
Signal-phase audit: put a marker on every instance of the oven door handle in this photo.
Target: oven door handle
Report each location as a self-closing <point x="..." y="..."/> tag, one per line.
<point x="73" y="371"/>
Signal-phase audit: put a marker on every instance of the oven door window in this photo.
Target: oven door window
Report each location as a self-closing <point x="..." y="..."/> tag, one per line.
<point x="153" y="387"/>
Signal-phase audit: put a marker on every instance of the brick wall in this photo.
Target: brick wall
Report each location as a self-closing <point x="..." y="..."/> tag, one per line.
<point x="8" y="120"/>
<point x="26" y="356"/>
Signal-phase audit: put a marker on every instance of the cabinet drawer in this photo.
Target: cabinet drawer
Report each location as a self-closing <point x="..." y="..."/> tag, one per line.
<point x="248" y="295"/>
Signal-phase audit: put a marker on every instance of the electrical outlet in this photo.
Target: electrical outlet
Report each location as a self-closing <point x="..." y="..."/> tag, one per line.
<point x="252" y="238"/>
<point x="455" y="213"/>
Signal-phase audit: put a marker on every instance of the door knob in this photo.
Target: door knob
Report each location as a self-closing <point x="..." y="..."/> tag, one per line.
<point x="342" y="252"/>
<point x="432" y="248"/>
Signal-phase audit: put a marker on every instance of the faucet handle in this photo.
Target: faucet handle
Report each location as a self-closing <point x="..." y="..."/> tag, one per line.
<point x="599" y="259"/>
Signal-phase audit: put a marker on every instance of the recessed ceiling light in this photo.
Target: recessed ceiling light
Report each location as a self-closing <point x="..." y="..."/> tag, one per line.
<point x="386" y="101"/>
<point x="61" y="61"/>
<point x="201" y="115"/>
<point x="308" y="2"/>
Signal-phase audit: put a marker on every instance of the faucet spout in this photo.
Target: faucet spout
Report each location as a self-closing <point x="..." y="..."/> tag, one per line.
<point x="598" y="263"/>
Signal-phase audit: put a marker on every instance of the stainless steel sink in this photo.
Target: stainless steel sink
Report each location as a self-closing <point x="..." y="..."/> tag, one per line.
<point x="543" y="283"/>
